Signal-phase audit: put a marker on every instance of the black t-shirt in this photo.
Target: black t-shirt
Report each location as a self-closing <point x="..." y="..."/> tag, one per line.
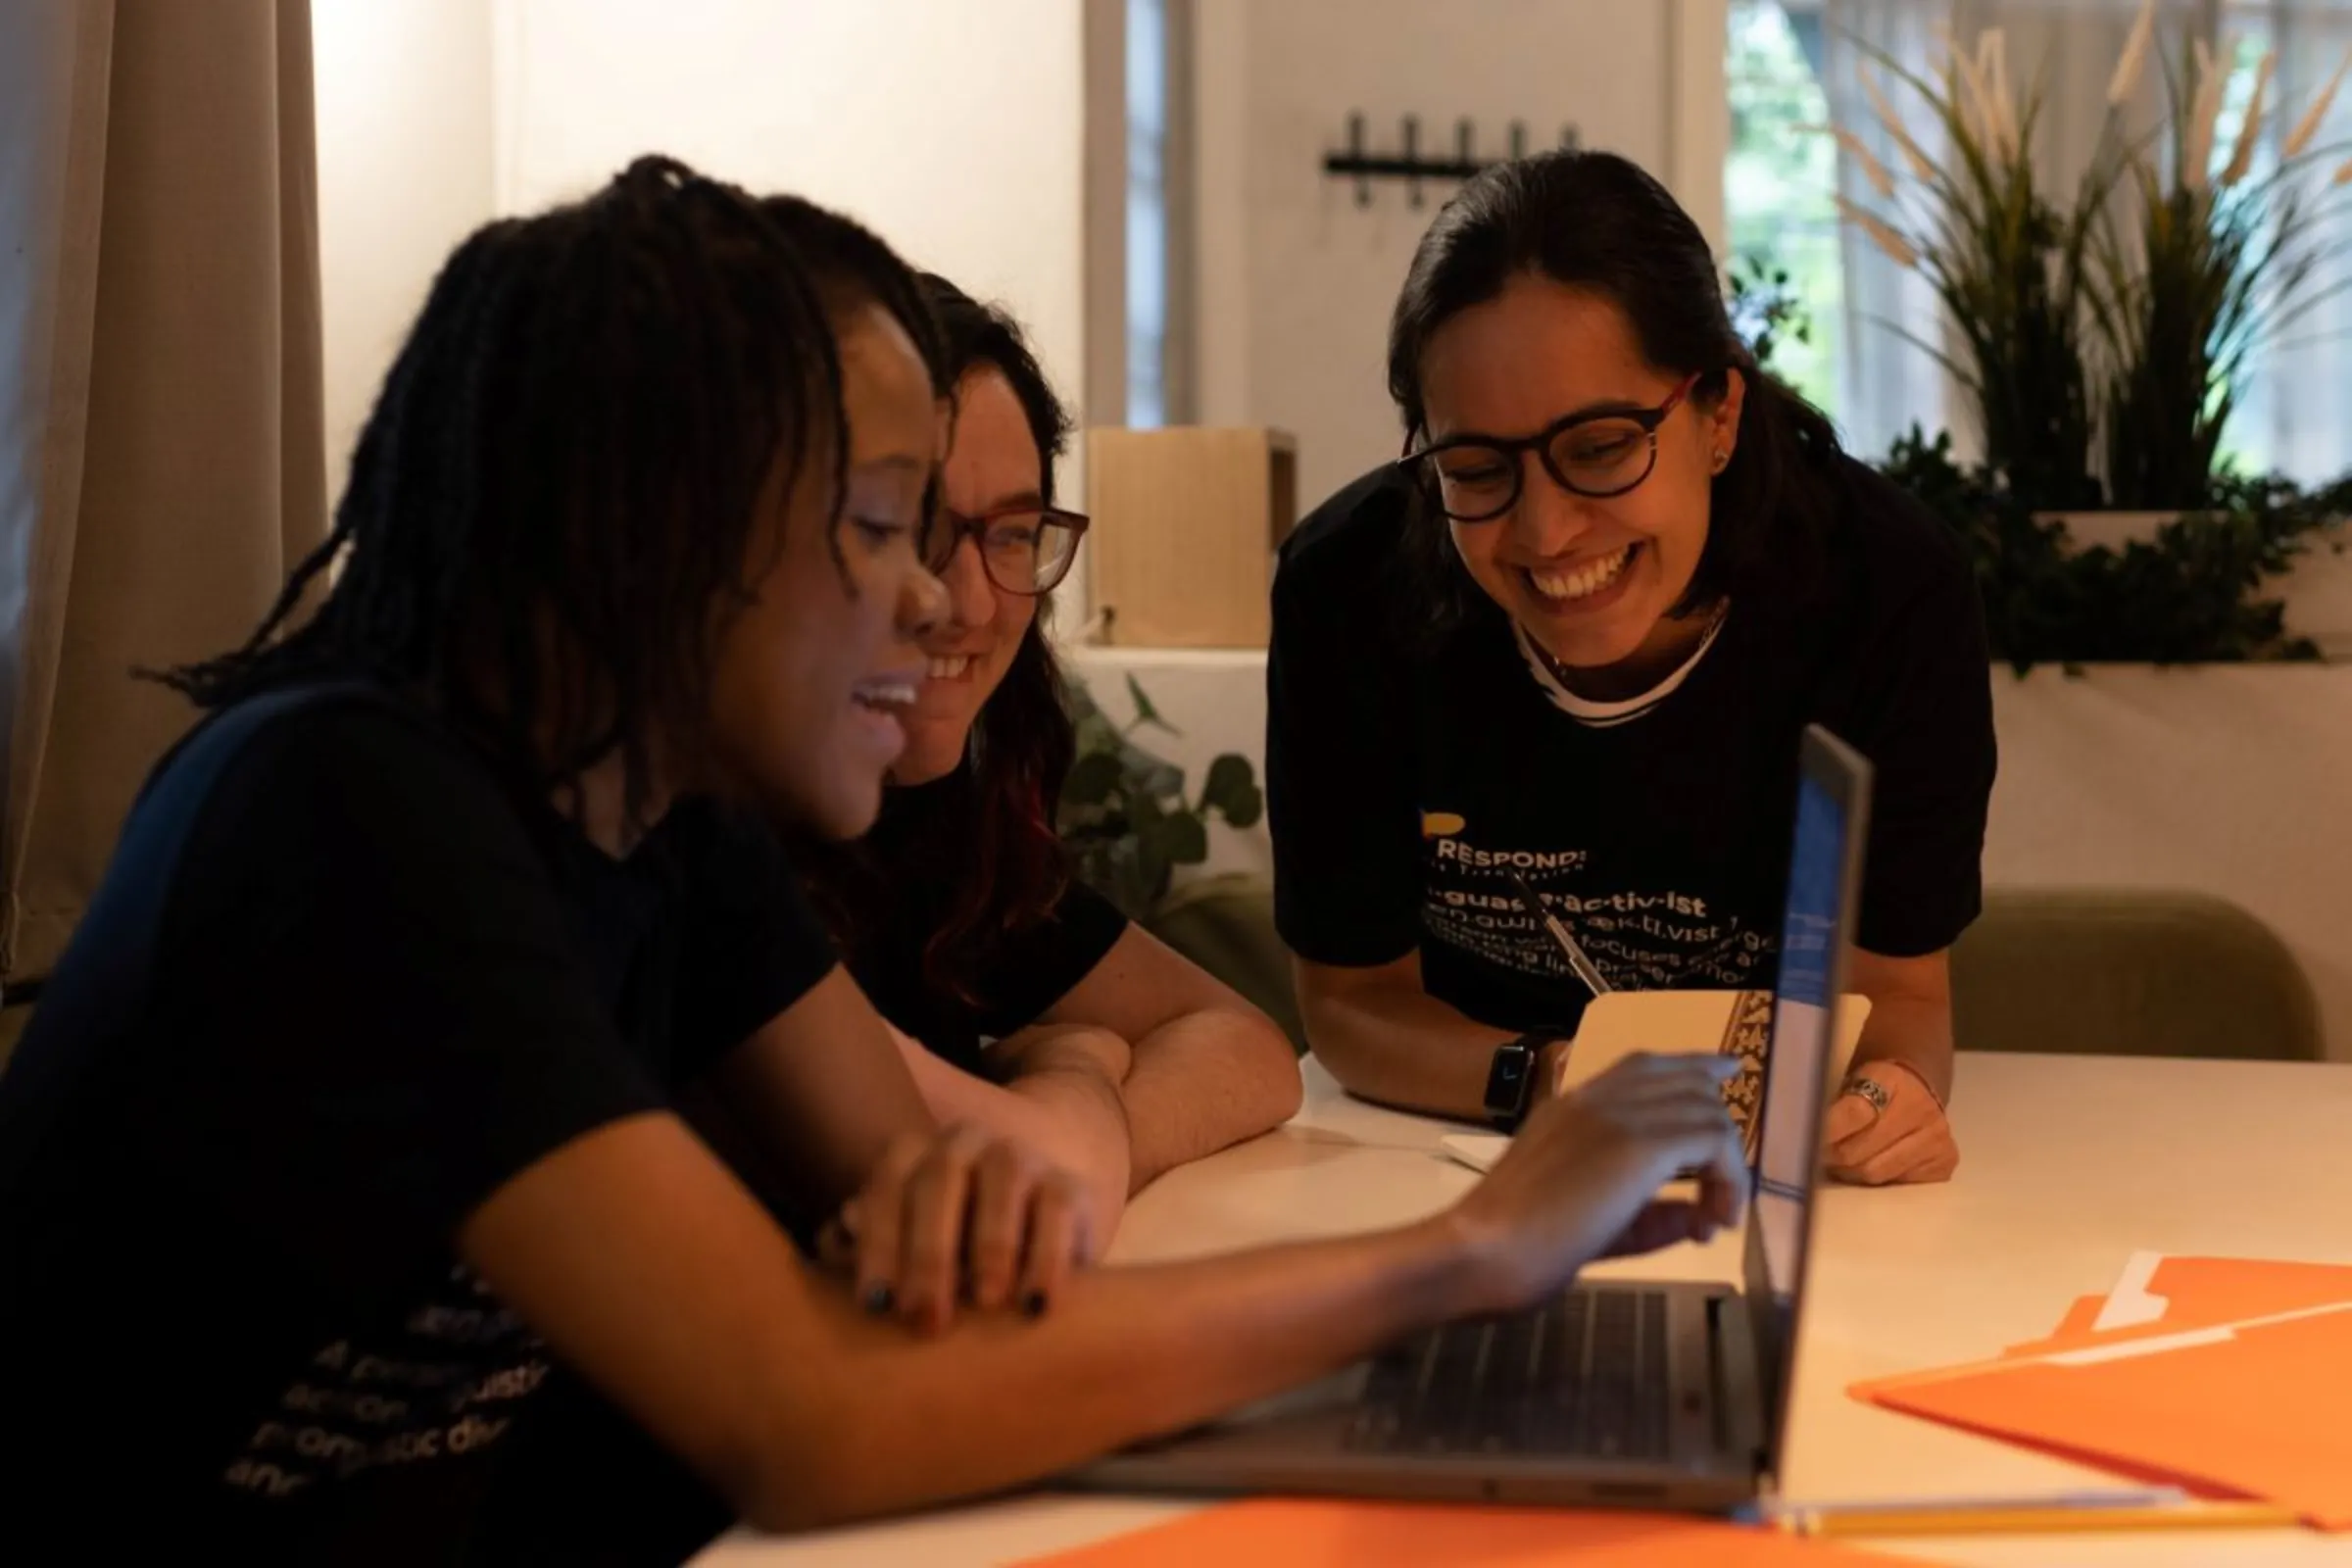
<point x="1408" y="776"/>
<point x="340" y="982"/>
<point x="1023" y="972"/>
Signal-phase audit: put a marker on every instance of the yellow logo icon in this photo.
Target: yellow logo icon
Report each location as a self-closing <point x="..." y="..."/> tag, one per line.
<point x="1440" y="824"/>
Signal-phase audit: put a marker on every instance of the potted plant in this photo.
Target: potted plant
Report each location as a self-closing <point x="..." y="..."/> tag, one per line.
<point x="2200" y="589"/>
<point x="2200" y="273"/>
<point x="2195" y="591"/>
<point x="2132" y="314"/>
<point x="1124" y="813"/>
<point x="2010" y="266"/>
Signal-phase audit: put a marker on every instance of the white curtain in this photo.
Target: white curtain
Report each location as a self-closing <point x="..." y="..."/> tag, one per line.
<point x="162" y="455"/>
<point x="2298" y="416"/>
<point x="1885" y="381"/>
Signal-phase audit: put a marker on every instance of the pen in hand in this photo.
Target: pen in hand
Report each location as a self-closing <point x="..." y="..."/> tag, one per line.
<point x="1579" y="964"/>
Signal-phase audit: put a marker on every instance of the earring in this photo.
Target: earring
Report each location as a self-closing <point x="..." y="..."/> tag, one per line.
<point x="1721" y="458"/>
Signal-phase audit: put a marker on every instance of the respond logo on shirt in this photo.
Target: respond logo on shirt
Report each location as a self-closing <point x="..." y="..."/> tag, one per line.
<point x="1639" y="936"/>
<point x="1444" y="830"/>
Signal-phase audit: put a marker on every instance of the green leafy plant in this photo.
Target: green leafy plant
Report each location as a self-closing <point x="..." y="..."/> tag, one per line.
<point x="1766" y="308"/>
<point x="2193" y="594"/>
<point x="1123" y="810"/>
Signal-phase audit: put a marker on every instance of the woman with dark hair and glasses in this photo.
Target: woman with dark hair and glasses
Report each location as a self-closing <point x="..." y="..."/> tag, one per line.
<point x="1026" y="1002"/>
<point x="1565" y="646"/>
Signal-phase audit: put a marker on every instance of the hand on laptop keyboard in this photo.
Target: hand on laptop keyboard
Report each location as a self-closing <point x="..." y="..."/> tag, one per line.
<point x="1581" y="1179"/>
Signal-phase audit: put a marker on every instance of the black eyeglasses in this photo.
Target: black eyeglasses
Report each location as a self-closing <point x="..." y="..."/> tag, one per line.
<point x="1023" y="549"/>
<point x="1478" y="479"/>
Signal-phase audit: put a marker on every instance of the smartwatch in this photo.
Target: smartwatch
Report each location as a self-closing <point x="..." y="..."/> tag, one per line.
<point x="1511" y="1078"/>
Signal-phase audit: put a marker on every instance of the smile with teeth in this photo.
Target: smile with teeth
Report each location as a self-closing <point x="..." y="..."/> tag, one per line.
<point x="1586" y="581"/>
<point x="949" y="666"/>
<point x="886" y="695"/>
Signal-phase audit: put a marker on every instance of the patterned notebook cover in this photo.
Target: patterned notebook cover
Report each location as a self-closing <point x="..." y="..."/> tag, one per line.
<point x="1738" y="1023"/>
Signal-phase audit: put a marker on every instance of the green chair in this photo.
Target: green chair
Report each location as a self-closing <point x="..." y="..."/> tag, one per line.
<point x="2130" y="972"/>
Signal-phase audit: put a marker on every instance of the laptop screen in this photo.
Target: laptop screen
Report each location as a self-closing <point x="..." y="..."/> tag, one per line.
<point x="1786" y="1154"/>
<point x="1832" y="821"/>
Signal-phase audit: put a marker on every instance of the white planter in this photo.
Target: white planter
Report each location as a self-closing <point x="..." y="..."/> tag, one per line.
<point x="2317" y="592"/>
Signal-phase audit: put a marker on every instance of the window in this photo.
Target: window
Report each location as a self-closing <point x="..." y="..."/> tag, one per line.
<point x="2292" y="415"/>
<point x="1146" y="213"/>
<point x="1781" y="179"/>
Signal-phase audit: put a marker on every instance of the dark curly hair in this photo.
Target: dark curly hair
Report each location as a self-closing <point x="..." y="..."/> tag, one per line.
<point x="559" y="480"/>
<point x="988" y="830"/>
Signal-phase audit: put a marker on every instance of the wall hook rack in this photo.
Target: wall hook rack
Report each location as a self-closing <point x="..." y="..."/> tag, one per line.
<point x="1354" y="163"/>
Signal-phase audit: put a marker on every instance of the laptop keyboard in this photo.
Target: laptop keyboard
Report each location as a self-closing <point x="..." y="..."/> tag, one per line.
<point x="1585" y="1375"/>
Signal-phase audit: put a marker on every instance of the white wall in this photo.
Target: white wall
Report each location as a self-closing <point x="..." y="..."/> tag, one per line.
<point x="952" y="127"/>
<point x="403" y="95"/>
<point x="958" y="128"/>
<point x="1294" y="279"/>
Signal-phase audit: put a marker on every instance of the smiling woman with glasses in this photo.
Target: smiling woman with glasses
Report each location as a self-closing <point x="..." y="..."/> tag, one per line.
<point x="1025" y="1002"/>
<point x="1025" y="547"/>
<point x="1596" y="453"/>
<point x="1570" y="637"/>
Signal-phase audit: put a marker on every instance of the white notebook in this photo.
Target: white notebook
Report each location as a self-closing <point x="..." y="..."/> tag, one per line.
<point x="1737" y="1023"/>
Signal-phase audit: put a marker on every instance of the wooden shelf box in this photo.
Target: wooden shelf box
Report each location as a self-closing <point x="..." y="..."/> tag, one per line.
<point x="1186" y="522"/>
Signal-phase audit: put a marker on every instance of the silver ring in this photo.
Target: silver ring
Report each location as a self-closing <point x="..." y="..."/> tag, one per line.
<point x="1872" y="1090"/>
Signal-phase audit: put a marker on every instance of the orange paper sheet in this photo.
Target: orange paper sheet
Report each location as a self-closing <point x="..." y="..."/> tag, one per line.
<point x="2253" y="1408"/>
<point x="2201" y="1291"/>
<point x="1287" y="1533"/>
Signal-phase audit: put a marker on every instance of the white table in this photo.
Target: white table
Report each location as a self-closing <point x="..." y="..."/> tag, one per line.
<point x="2069" y="1165"/>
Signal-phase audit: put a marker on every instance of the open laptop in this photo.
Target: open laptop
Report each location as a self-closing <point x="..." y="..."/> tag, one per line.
<point x="1645" y="1394"/>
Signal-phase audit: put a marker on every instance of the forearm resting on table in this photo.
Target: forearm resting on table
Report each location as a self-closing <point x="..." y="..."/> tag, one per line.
<point x="1202" y="1082"/>
<point x="1914" y="1032"/>
<point x="1910" y="1015"/>
<point x="1064" y="1105"/>
<point x="1386" y="1039"/>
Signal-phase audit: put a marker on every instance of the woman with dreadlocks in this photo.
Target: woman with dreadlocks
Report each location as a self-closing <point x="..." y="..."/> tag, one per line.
<point x="344" y="1215"/>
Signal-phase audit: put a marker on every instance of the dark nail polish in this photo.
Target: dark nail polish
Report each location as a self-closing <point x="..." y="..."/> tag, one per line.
<point x="879" y="1299"/>
<point x="1033" y="1305"/>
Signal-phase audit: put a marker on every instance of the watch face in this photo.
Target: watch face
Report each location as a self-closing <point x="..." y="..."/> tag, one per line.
<point x="1507" y="1080"/>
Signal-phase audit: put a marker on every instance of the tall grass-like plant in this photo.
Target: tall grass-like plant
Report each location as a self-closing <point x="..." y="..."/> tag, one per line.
<point x="2207" y="271"/>
<point x="2011" y="268"/>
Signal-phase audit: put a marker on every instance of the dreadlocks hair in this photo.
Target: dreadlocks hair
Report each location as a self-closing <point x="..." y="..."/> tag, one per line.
<point x="552" y="506"/>
<point x="851" y="265"/>
<point x="991" y="837"/>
